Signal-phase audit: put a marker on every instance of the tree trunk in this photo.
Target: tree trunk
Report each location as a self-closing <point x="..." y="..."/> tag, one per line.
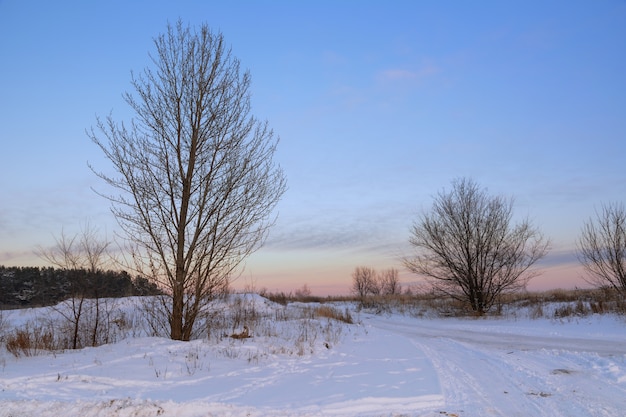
<point x="77" y="313"/>
<point x="176" y="324"/>
<point x="94" y="336"/>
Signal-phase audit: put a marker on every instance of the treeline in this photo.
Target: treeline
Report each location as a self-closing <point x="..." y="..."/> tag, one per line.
<point x="37" y="287"/>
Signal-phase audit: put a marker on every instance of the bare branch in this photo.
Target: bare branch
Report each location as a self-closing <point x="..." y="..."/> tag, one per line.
<point x="85" y="250"/>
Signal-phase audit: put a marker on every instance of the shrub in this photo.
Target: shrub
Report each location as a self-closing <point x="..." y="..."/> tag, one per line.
<point x="31" y="340"/>
<point x="333" y="313"/>
<point x="536" y="312"/>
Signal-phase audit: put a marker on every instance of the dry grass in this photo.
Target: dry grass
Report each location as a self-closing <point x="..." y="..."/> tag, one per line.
<point x="284" y="298"/>
<point x="31" y="340"/>
<point x="567" y="303"/>
<point x="333" y="313"/>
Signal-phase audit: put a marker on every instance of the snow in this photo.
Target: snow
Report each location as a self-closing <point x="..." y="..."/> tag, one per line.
<point x="383" y="365"/>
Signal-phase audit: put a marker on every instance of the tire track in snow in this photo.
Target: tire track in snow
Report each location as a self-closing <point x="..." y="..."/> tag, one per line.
<point x="478" y="383"/>
<point x="516" y="376"/>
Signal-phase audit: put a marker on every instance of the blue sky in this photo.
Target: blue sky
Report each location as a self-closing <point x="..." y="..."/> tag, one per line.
<point x="379" y="106"/>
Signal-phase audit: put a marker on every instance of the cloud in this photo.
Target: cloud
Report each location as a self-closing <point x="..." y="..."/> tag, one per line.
<point x="398" y="75"/>
<point x="323" y="235"/>
<point x="378" y="228"/>
<point x="20" y="258"/>
<point x="410" y="76"/>
<point x="559" y="258"/>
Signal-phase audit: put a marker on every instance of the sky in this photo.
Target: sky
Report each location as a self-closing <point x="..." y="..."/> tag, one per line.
<point x="379" y="106"/>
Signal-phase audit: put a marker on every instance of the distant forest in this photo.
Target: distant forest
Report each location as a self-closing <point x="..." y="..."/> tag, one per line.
<point x="22" y="287"/>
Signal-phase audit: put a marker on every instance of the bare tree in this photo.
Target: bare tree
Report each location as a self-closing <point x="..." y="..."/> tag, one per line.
<point x="364" y="282"/>
<point x="602" y="247"/>
<point x="468" y="249"/>
<point x="303" y="292"/>
<point x="85" y="250"/>
<point x="82" y="256"/>
<point x="197" y="183"/>
<point x="388" y="282"/>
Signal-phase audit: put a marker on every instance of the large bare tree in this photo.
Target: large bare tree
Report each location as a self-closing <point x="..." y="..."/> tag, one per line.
<point x="602" y="247"/>
<point x="197" y="180"/>
<point x="468" y="248"/>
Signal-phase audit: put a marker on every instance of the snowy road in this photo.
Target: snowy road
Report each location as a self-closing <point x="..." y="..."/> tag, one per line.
<point x="491" y="368"/>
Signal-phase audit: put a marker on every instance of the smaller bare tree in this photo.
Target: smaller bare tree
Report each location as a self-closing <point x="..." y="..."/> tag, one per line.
<point x="388" y="282"/>
<point x="83" y="253"/>
<point x="364" y="282"/>
<point x="303" y="292"/>
<point x="602" y="247"/>
<point x="85" y="250"/>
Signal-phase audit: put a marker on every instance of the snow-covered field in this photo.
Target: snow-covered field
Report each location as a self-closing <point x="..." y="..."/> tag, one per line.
<point x="383" y="365"/>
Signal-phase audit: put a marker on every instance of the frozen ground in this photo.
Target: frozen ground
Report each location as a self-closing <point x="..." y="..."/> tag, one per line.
<point x="385" y="365"/>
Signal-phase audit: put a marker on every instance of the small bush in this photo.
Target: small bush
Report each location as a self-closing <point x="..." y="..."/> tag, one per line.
<point x="31" y="340"/>
<point x="333" y="313"/>
<point x="578" y="309"/>
<point x="278" y="298"/>
<point x="536" y="312"/>
<point x="19" y="343"/>
<point x="563" y="311"/>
